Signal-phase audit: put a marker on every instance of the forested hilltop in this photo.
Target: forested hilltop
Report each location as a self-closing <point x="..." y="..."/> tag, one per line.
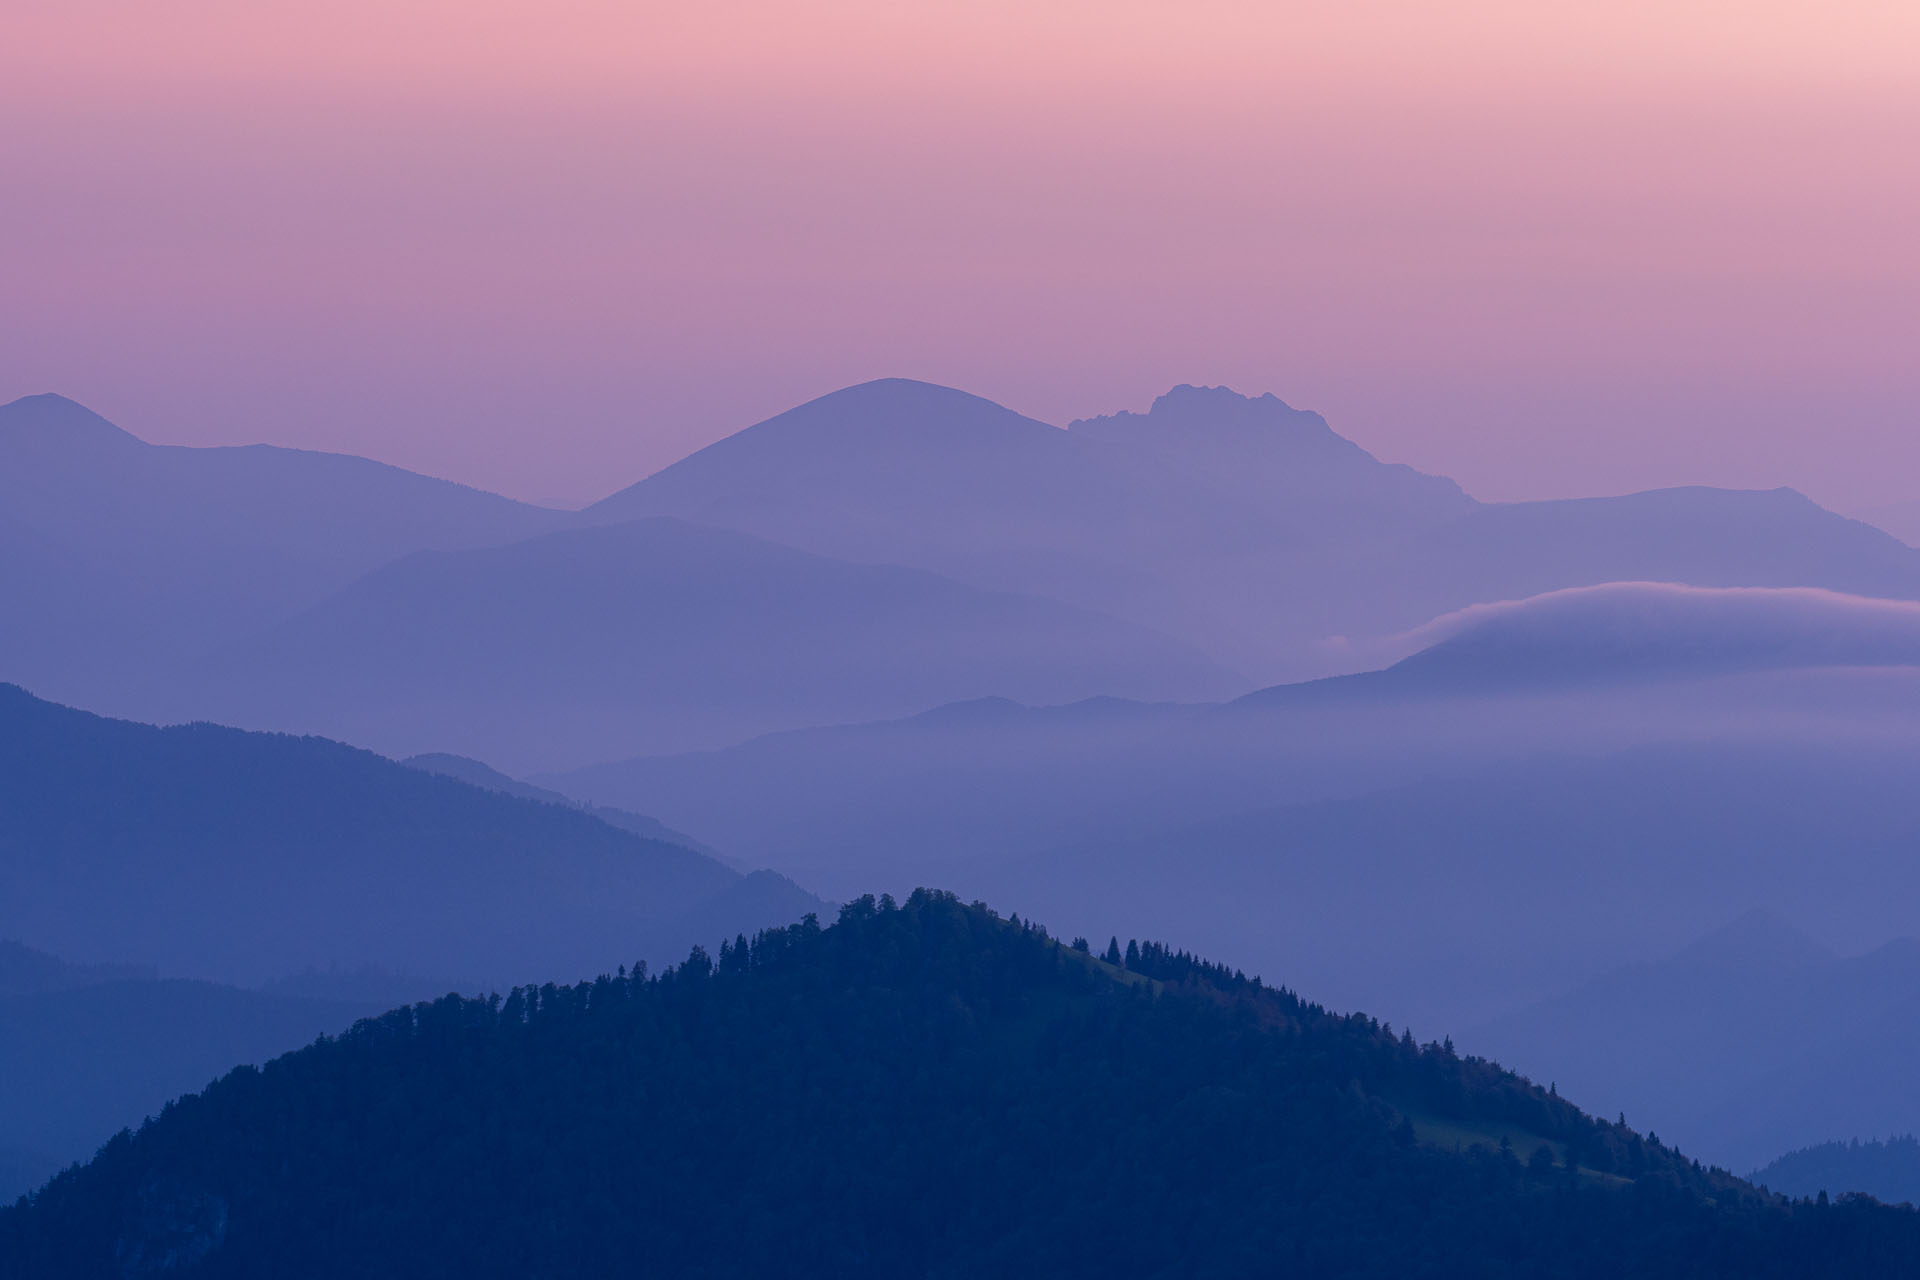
<point x="924" y="1089"/>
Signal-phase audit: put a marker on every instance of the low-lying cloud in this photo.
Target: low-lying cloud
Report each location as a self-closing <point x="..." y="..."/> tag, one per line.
<point x="1627" y="627"/>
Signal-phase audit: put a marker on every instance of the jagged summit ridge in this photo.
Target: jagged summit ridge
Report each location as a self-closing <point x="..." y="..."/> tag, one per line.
<point x="1198" y="414"/>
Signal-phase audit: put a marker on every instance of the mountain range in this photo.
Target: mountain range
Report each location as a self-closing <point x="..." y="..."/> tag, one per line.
<point x="1195" y="551"/>
<point x="132" y="557"/>
<point x="1210" y="671"/>
<point x="287" y="887"/>
<point x="1242" y="525"/>
<point x="1750" y="1041"/>
<point x="658" y="633"/>
<point x="241" y="857"/>
<point x="1345" y="830"/>
<point x="480" y="774"/>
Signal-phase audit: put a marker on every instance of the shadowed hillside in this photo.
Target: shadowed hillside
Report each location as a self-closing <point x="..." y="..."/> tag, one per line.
<point x="920" y="1090"/>
<point x="216" y="853"/>
<point x="478" y="774"/>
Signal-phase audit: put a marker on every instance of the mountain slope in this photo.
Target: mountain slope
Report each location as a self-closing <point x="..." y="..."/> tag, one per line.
<point x="661" y="635"/>
<point x="906" y="470"/>
<point x="1240" y="524"/>
<point x="176" y="550"/>
<point x="1581" y="674"/>
<point x="26" y="972"/>
<point x="1700" y="536"/>
<point x="479" y="774"/>
<point x="921" y="1090"/>
<point x="217" y="853"/>
<point x="1901" y="519"/>
<point x="1888" y="1171"/>
<point x="1190" y="519"/>
<point x="1444" y="860"/>
<point x="866" y="803"/>
<point x="1694" y="1042"/>
<point x="1456" y="899"/>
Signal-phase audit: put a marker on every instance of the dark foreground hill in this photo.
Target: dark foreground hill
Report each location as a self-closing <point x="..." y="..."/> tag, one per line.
<point x="925" y="1090"/>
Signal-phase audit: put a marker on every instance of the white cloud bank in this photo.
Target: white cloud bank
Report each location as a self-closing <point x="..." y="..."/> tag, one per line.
<point x="1625" y="627"/>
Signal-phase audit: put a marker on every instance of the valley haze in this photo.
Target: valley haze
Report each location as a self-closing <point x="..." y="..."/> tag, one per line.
<point x="1204" y="671"/>
<point x="961" y="638"/>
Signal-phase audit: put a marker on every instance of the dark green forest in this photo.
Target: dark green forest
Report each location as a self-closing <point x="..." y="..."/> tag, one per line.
<point x="923" y="1089"/>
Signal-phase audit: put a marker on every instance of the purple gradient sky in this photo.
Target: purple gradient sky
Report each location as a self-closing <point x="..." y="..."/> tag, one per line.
<point x="1547" y="249"/>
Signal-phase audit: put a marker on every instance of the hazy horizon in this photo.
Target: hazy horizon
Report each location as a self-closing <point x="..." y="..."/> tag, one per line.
<point x="1384" y="537"/>
<point x="609" y="482"/>
<point x="1548" y="255"/>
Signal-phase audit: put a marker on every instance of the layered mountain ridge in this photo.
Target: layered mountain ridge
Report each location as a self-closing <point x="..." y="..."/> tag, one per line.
<point x="168" y="583"/>
<point x="216" y="853"/>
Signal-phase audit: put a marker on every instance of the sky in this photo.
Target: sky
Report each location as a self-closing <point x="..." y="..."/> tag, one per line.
<point x="1548" y="247"/>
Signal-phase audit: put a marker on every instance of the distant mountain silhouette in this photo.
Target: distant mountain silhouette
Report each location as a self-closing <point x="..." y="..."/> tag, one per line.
<point x="883" y="802"/>
<point x="1235" y="458"/>
<point x="1901" y="519"/>
<point x="1240" y="524"/>
<point x="1698" y="536"/>
<point x="1748" y="1042"/>
<point x="1454" y="900"/>
<point x="1355" y="831"/>
<point x="485" y="776"/>
<point x="144" y="553"/>
<point x="164" y="582"/>
<point x="364" y="984"/>
<point x="53" y="428"/>
<point x="1172" y="519"/>
<point x="918" y="1090"/>
<point x="659" y="635"/>
<point x="239" y="856"/>
<point x="1889" y="1171"/>
<point x="25" y="972"/>
<point x="920" y="471"/>
<point x="1586" y="671"/>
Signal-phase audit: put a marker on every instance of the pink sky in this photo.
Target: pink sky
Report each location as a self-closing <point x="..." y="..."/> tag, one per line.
<point x="1547" y="248"/>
